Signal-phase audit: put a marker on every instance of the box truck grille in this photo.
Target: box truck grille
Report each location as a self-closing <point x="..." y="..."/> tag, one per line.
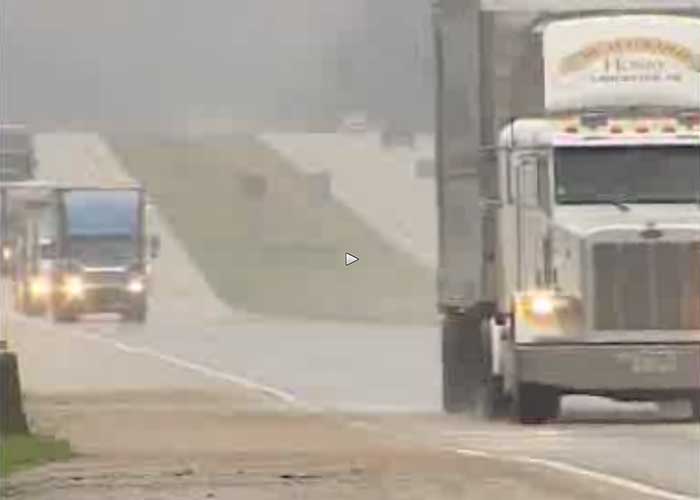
<point x="106" y="278"/>
<point x="647" y="286"/>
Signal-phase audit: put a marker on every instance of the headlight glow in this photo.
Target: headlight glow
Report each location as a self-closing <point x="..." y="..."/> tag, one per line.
<point x="136" y="285"/>
<point x="74" y="286"/>
<point x="6" y="253"/>
<point x="542" y="305"/>
<point x="39" y="287"/>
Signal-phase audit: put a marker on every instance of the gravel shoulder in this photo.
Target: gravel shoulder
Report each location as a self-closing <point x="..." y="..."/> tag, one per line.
<point x="192" y="445"/>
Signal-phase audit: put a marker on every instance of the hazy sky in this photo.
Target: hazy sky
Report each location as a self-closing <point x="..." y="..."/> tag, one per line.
<point x="131" y="60"/>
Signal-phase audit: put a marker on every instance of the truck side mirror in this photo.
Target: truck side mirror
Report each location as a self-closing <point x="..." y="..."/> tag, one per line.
<point x="155" y="246"/>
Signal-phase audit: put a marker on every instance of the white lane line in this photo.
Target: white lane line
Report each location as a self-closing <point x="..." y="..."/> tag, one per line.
<point x="205" y="371"/>
<point x="629" y="484"/>
<point x="291" y="399"/>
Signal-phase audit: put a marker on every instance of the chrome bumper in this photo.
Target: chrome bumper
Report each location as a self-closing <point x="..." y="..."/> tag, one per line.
<point x="598" y="368"/>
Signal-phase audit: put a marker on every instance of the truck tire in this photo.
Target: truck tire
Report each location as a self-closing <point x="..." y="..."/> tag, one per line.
<point x="492" y="403"/>
<point x="464" y="367"/>
<point x="137" y="314"/>
<point x="535" y="404"/>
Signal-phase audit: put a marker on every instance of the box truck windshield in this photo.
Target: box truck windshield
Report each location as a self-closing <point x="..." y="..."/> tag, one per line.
<point x="102" y="227"/>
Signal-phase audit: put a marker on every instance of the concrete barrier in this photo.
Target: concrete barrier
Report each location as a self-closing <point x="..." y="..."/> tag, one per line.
<point x="12" y="418"/>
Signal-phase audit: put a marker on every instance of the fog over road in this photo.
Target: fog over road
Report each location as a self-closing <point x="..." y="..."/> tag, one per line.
<point x="175" y="391"/>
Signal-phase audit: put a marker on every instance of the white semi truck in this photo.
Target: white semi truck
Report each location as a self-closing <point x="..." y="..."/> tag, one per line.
<point x="568" y="176"/>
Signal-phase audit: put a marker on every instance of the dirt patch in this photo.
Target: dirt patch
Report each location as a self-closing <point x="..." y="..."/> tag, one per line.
<point x="179" y="446"/>
<point x="276" y="248"/>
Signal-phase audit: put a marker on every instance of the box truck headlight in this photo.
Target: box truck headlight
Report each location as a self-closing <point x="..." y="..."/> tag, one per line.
<point x="6" y="253"/>
<point x="39" y="287"/>
<point x="136" y="286"/>
<point x="74" y="287"/>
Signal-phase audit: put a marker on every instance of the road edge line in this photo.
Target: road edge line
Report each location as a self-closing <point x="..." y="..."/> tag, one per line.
<point x="602" y="477"/>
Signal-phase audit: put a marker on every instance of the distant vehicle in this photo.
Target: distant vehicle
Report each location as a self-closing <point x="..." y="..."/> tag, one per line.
<point x="357" y="122"/>
<point x="104" y="246"/>
<point x="398" y="137"/>
<point x="35" y="252"/>
<point x="17" y="161"/>
<point x="11" y="219"/>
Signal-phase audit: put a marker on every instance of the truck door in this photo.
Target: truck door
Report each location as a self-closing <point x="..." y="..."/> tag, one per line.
<point x="532" y="222"/>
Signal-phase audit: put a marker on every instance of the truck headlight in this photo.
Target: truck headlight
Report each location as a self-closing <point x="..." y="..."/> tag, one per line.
<point x="39" y="287"/>
<point x="136" y="286"/>
<point x="74" y="287"/>
<point x="543" y="305"/>
<point x="6" y="254"/>
<point x="548" y="311"/>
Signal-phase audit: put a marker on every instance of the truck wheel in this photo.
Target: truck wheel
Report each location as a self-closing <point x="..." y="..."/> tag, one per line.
<point x="464" y="368"/>
<point x="492" y="402"/>
<point x="535" y="404"/>
<point x="454" y="364"/>
<point x="136" y="314"/>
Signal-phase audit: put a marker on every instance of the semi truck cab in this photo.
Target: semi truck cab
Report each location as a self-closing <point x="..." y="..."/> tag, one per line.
<point x="598" y="260"/>
<point x="569" y="257"/>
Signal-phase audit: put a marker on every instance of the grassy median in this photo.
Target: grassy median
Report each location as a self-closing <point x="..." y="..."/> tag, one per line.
<point x="281" y="254"/>
<point x="20" y="452"/>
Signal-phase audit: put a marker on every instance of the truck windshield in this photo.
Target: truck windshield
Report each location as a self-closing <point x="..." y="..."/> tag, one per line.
<point x="102" y="213"/>
<point x="627" y="174"/>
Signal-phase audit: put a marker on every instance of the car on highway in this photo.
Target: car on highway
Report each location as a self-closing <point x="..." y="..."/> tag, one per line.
<point x="355" y="123"/>
<point x="392" y="137"/>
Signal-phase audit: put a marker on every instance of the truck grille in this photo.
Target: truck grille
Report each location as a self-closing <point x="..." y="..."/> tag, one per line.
<point x="106" y="278"/>
<point x="647" y="286"/>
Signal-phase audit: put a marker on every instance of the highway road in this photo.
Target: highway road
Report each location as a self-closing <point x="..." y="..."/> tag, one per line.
<point x="173" y="393"/>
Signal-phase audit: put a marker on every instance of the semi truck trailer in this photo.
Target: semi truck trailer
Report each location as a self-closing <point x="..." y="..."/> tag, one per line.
<point x="568" y="178"/>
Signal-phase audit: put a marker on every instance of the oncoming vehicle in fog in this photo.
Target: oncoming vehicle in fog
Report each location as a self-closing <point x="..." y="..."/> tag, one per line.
<point x="104" y="246"/>
<point x="35" y="247"/>
<point x="17" y="162"/>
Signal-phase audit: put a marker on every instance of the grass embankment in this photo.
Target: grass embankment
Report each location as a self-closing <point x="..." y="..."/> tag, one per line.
<point x="282" y="255"/>
<point x="20" y="452"/>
